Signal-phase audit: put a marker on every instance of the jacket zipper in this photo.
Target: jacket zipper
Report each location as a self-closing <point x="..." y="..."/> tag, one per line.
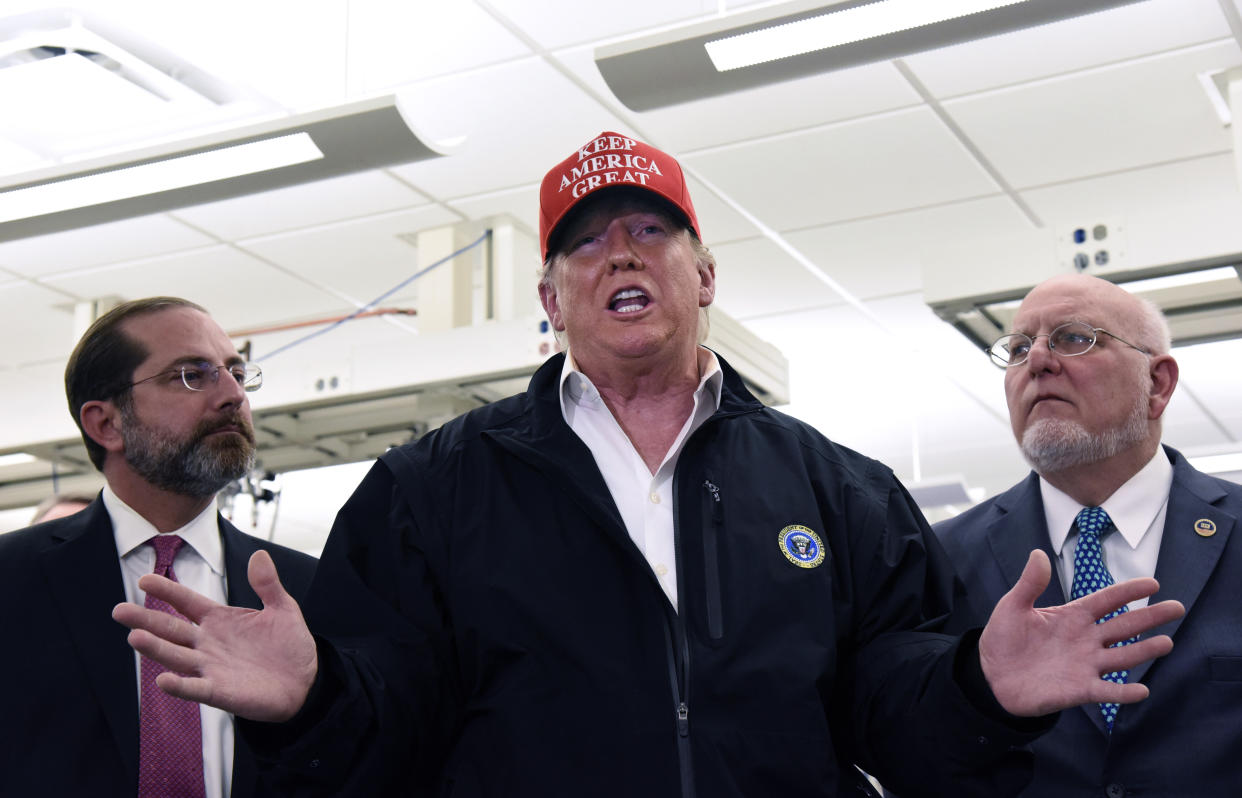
<point x="711" y="561"/>
<point x="679" y="666"/>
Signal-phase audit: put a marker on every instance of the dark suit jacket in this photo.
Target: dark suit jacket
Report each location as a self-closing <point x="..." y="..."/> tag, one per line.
<point x="68" y="685"/>
<point x="1186" y="738"/>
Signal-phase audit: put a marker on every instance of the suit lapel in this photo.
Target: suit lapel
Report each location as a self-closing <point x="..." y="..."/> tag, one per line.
<point x="1187" y="558"/>
<point x="84" y="577"/>
<point x="1020" y="527"/>
<point x="237" y="550"/>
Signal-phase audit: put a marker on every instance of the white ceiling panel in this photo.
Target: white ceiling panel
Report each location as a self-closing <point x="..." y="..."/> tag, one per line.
<point x="393" y="42"/>
<point x="361" y="259"/>
<point x="310" y="204"/>
<point x="1069" y="46"/>
<point x="238" y="289"/>
<point x="560" y="23"/>
<point x="754" y="279"/>
<point x="882" y="164"/>
<point x="519" y="203"/>
<point x="1117" y="117"/>
<point x="99" y="245"/>
<point x="881" y="256"/>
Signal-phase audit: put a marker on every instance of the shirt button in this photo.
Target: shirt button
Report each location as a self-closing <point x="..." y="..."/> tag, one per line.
<point x="661" y="569"/>
<point x="655" y="497"/>
<point x="1115" y="791"/>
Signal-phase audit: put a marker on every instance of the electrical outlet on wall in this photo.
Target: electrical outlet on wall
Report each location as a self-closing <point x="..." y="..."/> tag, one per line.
<point x="1092" y="244"/>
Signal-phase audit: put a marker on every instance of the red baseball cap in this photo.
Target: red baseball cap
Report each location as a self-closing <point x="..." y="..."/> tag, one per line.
<point x="610" y="160"/>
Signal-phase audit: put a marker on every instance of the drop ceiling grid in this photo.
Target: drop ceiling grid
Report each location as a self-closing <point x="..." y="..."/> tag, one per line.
<point x="862" y="168"/>
<point x="1100" y="121"/>
<point x="881" y="256"/>
<point x="99" y="246"/>
<point x="754" y="278"/>
<point x="1061" y="48"/>
<point x="363" y="258"/>
<point x="308" y="205"/>
<point x="237" y="288"/>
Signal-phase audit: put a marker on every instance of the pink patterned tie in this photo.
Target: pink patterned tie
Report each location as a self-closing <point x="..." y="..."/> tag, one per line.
<point x="170" y="754"/>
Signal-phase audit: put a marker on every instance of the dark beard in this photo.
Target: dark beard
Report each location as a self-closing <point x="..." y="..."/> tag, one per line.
<point x="194" y="467"/>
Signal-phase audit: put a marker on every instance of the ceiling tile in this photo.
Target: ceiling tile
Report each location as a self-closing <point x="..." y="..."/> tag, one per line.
<point x="36" y="323"/>
<point x="754" y="278"/>
<point x="1105" y="37"/>
<point x="881" y="164"/>
<point x="881" y="256"/>
<point x="362" y="259"/>
<point x="319" y="202"/>
<point x="236" y="289"/>
<point x="1118" y="117"/>
<point x="558" y="23"/>
<point x="393" y="42"/>
<point x="86" y="247"/>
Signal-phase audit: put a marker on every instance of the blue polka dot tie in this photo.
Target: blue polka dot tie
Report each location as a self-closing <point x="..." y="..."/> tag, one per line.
<point x="1091" y="575"/>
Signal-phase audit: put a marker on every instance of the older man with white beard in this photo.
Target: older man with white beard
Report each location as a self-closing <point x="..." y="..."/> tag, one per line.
<point x="1088" y="376"/>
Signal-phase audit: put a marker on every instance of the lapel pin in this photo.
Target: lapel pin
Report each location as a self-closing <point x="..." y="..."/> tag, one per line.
<point x="1206" y="527"/>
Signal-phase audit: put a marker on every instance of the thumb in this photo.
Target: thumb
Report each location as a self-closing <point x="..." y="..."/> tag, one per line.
<point x="261" y="572"/>
<point x="1034" y="579"/>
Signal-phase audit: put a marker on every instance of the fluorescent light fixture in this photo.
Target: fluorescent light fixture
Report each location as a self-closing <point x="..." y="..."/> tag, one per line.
<point x="364" y="135"/>
<point x="1180" y="280"/>
<point x="839" y="27"/>
<point x="150" y="178"/>
<point x="16" y="458"/>
<point x="674" y="66"/>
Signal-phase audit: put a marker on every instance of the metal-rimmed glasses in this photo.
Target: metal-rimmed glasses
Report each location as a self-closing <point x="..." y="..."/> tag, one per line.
<point x="202" y="375"/>
<point x="1070" y="339"/>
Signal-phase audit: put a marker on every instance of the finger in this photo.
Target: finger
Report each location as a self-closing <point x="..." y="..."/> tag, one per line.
<point x="1123" y="658"/>
<point x="191" y="688"/>
<point x="1033" y="581"/>
<point x="184" y="600"/>
<point x="160" y="624"/>
<point x="261" y="572"/>
<point x="170" y="655"/>
<point x="1106" y="692"/>
<point x="1144" y="619"/>
<point x="1102" y="602"/>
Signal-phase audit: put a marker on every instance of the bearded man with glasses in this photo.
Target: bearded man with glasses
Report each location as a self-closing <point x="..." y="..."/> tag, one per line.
<point x="159" y="393"/>
<point x="1088" y="377"/>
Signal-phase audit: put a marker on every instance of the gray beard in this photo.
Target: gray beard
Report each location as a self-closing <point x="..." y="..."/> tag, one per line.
<point x="1051" y="445"/>
<point x="187" y="468"/>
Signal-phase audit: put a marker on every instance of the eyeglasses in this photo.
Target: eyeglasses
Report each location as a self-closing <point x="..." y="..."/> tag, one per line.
<point x="1069" y="340"/>
<point x="201" y="376"/>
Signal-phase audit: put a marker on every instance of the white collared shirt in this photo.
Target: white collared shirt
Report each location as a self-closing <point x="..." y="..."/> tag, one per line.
<point x="1138" y="509"/>
<point x="645" y="500"/>
<point x="199" y="565"/>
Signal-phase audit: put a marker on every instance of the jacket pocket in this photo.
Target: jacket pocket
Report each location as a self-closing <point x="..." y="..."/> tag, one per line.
<point x="1225" y="669"/>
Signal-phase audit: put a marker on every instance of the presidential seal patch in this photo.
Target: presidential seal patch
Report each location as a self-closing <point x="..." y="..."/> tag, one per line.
<point x="801" y="546"/>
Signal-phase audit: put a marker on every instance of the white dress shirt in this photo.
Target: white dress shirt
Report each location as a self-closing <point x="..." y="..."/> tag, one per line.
<point x="199" y="565"/>
<point x="644" y="499"/>
<point x="1138" y="509"/>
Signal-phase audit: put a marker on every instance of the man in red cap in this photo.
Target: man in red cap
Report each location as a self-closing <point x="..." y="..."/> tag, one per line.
<point x="636" y="580"/>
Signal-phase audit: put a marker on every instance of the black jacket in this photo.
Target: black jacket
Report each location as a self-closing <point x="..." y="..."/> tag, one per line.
<point x="488" y="628"/>
<point x="69" y="700"/>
